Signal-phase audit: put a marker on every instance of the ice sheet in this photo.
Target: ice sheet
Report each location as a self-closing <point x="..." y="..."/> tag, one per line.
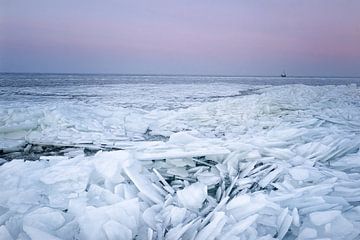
<point x="280" y="163"/>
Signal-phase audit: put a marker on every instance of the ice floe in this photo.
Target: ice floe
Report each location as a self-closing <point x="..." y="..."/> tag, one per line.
<point x="281" y="164"/>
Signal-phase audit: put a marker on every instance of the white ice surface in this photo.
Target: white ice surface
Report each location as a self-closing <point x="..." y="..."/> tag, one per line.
<point x="280" y="164"/>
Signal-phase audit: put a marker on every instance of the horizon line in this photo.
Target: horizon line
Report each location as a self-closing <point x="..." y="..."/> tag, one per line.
<point x="183" y="74"/>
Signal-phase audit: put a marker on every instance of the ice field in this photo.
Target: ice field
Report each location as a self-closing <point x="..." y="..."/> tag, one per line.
<point x="179" y="157"/>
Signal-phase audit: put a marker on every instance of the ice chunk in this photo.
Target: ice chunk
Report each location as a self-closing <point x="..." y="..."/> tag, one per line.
<point x="34" y="233"/>
<point x="321" y="218"/>
<point x="253" y="155"/>
<point x="312" y="149"/>
<point x="242" y="206"/>
<point x="2" y="161"/>
<point x="208" y="178"/>
<point x="284" y="226"/>
<point x="71" y="178"/>
<point x="45" y="219"/>
<point x="177" y="215"/>
<point x="110" y="164"/>
<point x="149" y="216"/>
<point x="24" y="199"/>
<point x="181" y="162"/>
<point x="175" y="171"/>
<point x="98" y="196"/>
<point x="167" y="186"/>
<point x="240" y="227"/>
<point x="296" y="217"/>
<point x="126" y="190"/>
<point x="90" y="223"/>
<point x="307" y="233"/>
<point x="178" y="231"/>
<point x="70" y="230"/>
<point x="299" y="173"/>
<point x="91" y="220"/>
<point x="9" y="145"/>
<point x="193" y="196"/>
<point x="182" y="138"/>
<point x="214" y="228"/>
<point x="115" y="230"/>
<point x="239" y="201"/>
<point x="341" y="228"/>
<point x="280" y="153"/>
<point x="182" y="153"/>
<point x="4" y="233"/>
<point x="270" y="177"/>
<point x="142" y="183"/>
<point x="297" y="160"/>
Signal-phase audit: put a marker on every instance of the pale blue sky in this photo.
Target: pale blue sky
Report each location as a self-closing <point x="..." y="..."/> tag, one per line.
<point x="317" y="37"/>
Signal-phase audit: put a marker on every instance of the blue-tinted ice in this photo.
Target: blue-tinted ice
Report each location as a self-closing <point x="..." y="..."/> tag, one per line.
<point x="195" y="158"/>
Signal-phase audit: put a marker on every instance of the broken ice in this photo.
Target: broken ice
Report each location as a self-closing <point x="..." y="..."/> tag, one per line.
<point x="279" y="164"/>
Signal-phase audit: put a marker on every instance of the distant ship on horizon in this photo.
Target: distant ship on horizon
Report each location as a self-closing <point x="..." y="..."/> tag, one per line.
<point x="283" y="74"/>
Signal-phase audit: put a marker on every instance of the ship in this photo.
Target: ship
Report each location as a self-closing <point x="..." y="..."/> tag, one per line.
<point x="283" y="74"/>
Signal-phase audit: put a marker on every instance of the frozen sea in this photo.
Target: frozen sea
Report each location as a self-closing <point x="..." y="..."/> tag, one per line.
<point x="179" y="157"/>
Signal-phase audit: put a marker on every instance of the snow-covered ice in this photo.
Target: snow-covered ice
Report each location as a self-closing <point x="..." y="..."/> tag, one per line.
<point x="280" y="162"/>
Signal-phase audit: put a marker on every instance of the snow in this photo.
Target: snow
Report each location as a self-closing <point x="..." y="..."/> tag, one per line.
<point x="281" y="163"/>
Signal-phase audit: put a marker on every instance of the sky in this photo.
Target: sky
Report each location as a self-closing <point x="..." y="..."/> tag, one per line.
<point x="229" y="37"/>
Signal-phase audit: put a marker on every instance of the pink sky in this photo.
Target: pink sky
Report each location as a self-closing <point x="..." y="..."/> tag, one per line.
<point x="319" y="37"/>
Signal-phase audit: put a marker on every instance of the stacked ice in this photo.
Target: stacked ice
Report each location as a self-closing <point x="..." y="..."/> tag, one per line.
<point x="281" y="164"/>
<point x="95" y="115"/>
